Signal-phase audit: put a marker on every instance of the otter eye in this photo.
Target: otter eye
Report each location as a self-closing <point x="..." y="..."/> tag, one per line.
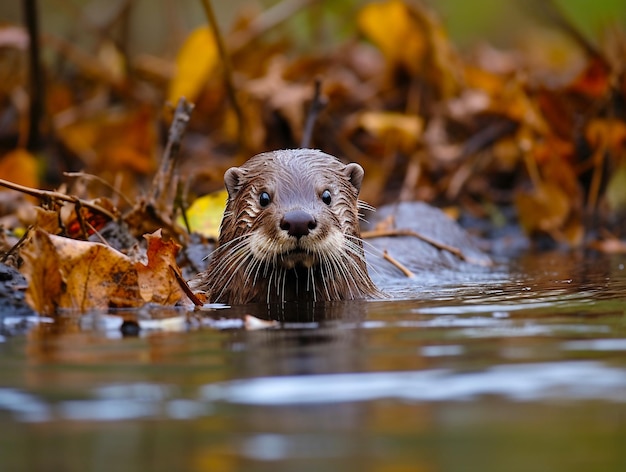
<point x="326" y="197"/>
<point x="264" y="199"/>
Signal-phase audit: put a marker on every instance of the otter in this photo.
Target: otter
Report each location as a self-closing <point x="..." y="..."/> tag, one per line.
<point x="290" y="232"/>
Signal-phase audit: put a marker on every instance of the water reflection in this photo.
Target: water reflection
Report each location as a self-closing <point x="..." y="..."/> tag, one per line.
<point x="489" y="371"/>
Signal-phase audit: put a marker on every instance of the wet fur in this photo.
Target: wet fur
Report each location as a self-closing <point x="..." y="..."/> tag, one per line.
<point x="257" y="261"/>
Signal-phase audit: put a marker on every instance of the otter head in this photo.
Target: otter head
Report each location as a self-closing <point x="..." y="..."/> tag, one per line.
<point x="291" y="231"/>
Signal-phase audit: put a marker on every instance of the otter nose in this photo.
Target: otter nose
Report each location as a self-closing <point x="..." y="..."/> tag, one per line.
<point x="297" y="223"/>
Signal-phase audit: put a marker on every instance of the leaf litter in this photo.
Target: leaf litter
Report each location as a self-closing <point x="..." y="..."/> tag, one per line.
<point x="491" y="135"/>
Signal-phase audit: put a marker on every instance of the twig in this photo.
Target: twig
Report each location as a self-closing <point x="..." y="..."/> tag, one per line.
<point x="83" y="175"/>
<point x="179" y="203"/>
<point x="317" y="105"/>
<point x="47" y="195"/>
<point x="163" y="183"/>
<point x="398" y="264"/>
<point x="37" y="98"/>
<point x="437" y="244"/>
<point x="185" y="288"/>
<point x="97" y="234"/>
<point x="228" y="69"/>
<point x="17" y="245"/>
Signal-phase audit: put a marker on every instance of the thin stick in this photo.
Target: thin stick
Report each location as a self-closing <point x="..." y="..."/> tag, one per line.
<point x="317" y="105"/>
<point x="185" y="288"/>
<point x="37" y="98"/>
<point x="398" y="264"/>
<point x="83" y="175"/>
<point x="97" y="234"/>
<point x="17" y="245"/>
<point x="163" y="180"/>
<point x="47" y="195"/>
<point x="227" y="67"/>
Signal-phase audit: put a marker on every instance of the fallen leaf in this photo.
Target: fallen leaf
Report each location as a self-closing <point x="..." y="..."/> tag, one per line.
<point x="196" y="60"/>
<point x="595" y="80"/>
<point x="404" y="130"/>
<point x="205" y="214"/>
<point x="616" y="189"/>
<point x="156" y="283"/>
<point x="78" y="275"/>
<point x="391" y="27"/>
<point x="610" y="133"/>
<point x="545" y="208"/>
<point x="42" y="271"/>
<point x="19" y="166"/>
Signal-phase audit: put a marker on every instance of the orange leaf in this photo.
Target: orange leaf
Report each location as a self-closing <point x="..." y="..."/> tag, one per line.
<point x="595" y="80"/>
<point x="156" y="283"/>
<point x="19" y="166"/>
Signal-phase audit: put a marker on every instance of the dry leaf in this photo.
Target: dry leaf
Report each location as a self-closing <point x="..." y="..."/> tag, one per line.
<point x="545" y="209"/>
<point x="67" y="274"/>
<point x="156" y="282"/>
<point x="42" y="271"/>
<point x="19" y="166"/>
<point x="401" y="129"/>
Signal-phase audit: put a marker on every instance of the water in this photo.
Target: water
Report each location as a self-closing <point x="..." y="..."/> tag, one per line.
<point x="517" y="369"/>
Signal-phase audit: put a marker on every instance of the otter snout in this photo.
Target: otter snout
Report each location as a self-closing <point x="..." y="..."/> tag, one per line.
<point x="298" y="223"/>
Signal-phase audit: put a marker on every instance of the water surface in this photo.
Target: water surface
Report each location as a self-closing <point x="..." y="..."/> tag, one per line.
<point x="518" y="368"/>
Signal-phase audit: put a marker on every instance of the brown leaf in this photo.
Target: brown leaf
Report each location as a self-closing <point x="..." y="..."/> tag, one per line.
<point x="401" y="129"/>
<point x="156" y="283"/>
<point x="546" y="208"/>
<point x="42" y="271"/>
<point x="67" y="274"/>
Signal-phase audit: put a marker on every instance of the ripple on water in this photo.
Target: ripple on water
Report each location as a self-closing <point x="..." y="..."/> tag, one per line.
<point x="515" y="382"/>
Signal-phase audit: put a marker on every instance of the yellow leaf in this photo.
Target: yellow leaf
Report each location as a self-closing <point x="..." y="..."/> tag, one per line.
<point x="390" y="26"/>
<point x="616" y="189"/>
<point x="205" y="214"/>
<point x="196" y="59"/>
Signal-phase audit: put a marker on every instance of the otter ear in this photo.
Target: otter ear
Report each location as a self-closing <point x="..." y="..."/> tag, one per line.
<point x="355" y="173"/>
<point x="232" y="180"/>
